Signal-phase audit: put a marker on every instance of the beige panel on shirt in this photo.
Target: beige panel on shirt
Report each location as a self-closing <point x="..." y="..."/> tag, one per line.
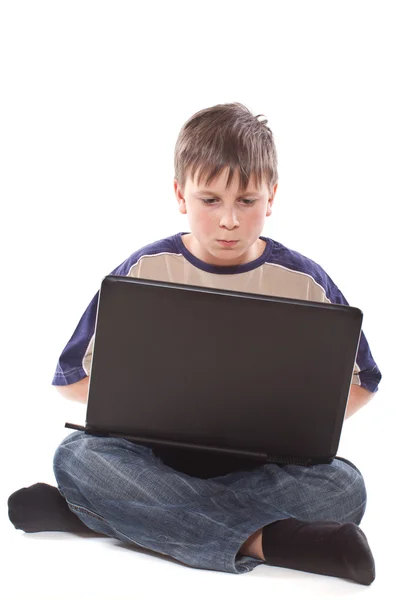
<point x="268" y="279"/>
<point x="87" y="359"/>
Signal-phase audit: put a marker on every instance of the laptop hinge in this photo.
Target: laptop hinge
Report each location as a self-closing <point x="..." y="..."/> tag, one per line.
<point x="86" y="429"/>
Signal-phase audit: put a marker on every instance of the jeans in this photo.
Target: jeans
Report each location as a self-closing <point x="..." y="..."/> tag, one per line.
<point x="124" y="490"/>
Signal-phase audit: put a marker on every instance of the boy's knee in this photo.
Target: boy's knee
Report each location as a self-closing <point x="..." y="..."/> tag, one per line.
<point x="81" y="454"/>
<point x="65" y="459"/>
<point x="77" y="452"/>
<point x="79" y="464"/>
<point x="352" y="492"/>
<point x="337" y="492"/>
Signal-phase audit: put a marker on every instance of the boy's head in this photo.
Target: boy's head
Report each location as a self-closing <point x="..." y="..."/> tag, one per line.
<point x="225" y="181"/>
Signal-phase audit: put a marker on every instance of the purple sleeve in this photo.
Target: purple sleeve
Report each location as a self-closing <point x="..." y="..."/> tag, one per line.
<point x="70" y="368"/>
<point x="70" y="364"/>
<point x="369" y="373"/>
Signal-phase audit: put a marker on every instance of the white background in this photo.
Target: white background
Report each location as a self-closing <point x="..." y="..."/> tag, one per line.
<point x="93" y="95"/>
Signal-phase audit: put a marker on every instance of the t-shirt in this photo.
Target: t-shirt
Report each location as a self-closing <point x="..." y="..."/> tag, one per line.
<point x="279" y="271"/>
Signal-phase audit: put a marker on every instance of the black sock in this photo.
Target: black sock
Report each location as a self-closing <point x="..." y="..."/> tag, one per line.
<point x="324" y="547"/>
<point x="41" y="507"/>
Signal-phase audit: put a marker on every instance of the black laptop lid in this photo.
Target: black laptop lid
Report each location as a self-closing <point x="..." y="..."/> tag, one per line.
<point x="213" y="369"/>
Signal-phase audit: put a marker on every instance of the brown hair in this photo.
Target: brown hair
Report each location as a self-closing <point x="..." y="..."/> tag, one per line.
<point x="226" y="135"/>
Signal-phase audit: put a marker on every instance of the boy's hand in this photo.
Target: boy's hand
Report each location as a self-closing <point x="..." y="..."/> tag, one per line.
<point x="358" y="397"/>
<point x="75" y="391"/>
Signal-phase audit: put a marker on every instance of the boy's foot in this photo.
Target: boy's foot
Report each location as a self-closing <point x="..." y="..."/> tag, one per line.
<point x="324" y="547"/>
<point x="41" y="507"/>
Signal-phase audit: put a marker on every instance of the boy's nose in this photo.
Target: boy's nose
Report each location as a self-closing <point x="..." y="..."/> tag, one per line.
<point x="229" y="219"/>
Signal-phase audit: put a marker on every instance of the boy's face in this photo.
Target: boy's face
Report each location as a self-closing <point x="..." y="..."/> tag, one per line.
<point x="216" y="214"/>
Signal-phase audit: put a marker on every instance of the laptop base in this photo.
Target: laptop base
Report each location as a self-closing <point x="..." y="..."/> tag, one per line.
<point x="257" y="456"/>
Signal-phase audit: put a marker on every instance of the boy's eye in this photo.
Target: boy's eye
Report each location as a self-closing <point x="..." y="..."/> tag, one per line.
<point x="245" y="201"/>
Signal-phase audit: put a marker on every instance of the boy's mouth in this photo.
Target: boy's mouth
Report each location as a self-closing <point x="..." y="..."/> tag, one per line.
<point x="228" y="242"/>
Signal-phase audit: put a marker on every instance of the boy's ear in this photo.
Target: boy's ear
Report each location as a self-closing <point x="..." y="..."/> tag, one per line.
<point x="273" y="193"/>
<point x="179" y="196"/>
<point x="271" y="200"/>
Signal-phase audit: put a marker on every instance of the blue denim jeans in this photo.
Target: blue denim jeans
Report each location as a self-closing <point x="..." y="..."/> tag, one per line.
<point x="125" y="491"/>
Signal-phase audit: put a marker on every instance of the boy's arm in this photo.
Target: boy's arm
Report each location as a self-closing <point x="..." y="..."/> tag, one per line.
<point x="358" y="397"/>
<point x="75" y="391"/>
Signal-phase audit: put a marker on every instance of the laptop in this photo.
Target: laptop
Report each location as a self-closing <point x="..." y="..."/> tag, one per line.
<point x="229" y="373"/>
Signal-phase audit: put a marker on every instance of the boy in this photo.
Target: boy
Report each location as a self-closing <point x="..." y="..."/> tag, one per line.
<point x="228" y="515"/>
